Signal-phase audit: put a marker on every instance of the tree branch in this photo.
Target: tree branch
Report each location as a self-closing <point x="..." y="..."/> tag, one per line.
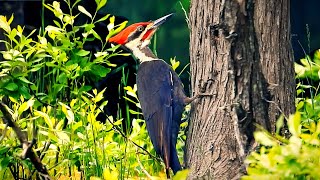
<point x="27" y="146"/>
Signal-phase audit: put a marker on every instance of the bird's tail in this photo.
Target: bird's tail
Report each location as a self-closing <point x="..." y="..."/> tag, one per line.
<point x="174" y="160"/>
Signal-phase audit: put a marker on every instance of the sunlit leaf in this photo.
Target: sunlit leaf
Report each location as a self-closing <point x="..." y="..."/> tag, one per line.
<point x="67" y="112"/>
<point x="4" y="24"/>
<point x="109" y="174"/>
<point x="96" y="35"/>
<point x="181" y="175"/>
<point x="294" y="124"/>
<point x="100" y="4"/>
<point x="46" y="118"/>
<point x="264" y="139"/>
<point x="103" y="18"/>
<point x="76" y="125"/>
<point x="53" y="137"/>
<point x="84" y="11"/>
<point x="175" y="64"/>
<point x="24" y="106"/>
<point x="63" y="137"/>
<point x="110" y="26"/>
<point x="99" y="96"/>
<point x="279" y="124"/>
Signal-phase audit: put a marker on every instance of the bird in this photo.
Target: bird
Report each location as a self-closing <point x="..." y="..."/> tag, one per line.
<point x="159" y="88"/>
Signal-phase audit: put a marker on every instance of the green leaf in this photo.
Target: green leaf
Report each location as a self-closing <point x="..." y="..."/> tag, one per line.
<point x="174" y="64"/>
<point x="76" y="126"/>
<point x="100" y="70"/>
<point x="68" y="19"/>
<point x="23" y="79"/>
<point x="57" y="23"/>
<point x="63" y="137"/>
<point x="3" y="149"/>
<point x="279" y="124"/>
<point x="118" y="122"/>
<point x="81" y="136"/>
<point x="264" y="139"/>
<point x="181" y="175"/>
<point x="46" y="118"/>
<point x="11" y="86"/>
<point x="67" y="112"/>
<point x="12" y="34"/>
<point x="96" y="35"/>
<point x="82" y="52"/>
<point x="62" y="78"/>
<point x="294" y="124"/>
<point x="59" y="125"/>
<point x="100" y="3"/>
<point x="84" y="11"/>
<point x="24" y="91"/>
<point x="115" y="31"/>
<point x="5" y="162"/>
<point x="104" y="18"/>
<point x="24" y="106"/>
<point x="10" y="20"/>
<point x="99" y="96"/>
<point x="134" y="112"/>
<point x="131" y="91"/>
<point x="4" y="24"/>
<point x="84" y="88"/>
<point x="53" y="137"/>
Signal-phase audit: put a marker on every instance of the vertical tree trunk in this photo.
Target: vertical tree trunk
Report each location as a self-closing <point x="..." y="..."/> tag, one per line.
<point x="240" y="51"/>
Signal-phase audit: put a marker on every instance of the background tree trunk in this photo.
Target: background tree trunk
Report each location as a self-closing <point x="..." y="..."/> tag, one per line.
<point x="240" y="51"/>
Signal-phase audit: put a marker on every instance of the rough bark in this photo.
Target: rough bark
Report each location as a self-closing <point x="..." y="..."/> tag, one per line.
<point x="241" y="53"/>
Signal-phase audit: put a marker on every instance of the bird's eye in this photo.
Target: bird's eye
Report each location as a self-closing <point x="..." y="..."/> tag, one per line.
<point x="140" y="28"/>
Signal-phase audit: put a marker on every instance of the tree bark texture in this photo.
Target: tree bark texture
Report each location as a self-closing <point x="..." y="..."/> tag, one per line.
<point x="241" y="53"/>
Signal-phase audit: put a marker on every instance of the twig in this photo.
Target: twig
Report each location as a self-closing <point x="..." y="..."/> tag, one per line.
<point x="143" y="169"/>
<point x="185" y="15"/>
<point x="27" y="146"/>
<point x="123" y="135"/>
<point x="4" y="132"/>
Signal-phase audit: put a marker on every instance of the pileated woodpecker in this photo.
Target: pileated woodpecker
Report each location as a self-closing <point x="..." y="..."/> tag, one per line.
<point x="160" y="90"/>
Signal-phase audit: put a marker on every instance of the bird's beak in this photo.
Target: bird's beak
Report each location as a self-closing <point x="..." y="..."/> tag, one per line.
<point x="160" y="21"/>
<point x="152" y="28"/>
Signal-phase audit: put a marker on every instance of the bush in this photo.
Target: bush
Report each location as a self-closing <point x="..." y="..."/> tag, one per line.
<point x="43" y="82"/>
<point x="293" y="158"/>
<point x="298" y="156"/>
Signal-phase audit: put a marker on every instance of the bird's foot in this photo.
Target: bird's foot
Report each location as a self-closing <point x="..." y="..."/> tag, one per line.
<point x="189" y="100"/>
<point x="203" y="88"/>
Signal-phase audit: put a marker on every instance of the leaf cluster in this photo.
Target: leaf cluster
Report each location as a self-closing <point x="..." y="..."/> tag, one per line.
<point x="296" y="157"/>
<point x="44" y="83"/>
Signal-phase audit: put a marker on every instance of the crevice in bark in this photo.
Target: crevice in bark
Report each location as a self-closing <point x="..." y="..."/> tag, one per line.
<point x="229" y="45"/>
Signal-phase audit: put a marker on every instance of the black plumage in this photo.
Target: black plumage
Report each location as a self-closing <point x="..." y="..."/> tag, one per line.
<point x="160" y="90"/>
<point x="161" y="95"/>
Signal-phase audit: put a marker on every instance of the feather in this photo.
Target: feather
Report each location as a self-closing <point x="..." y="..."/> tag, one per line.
<point x="161" y="95"/>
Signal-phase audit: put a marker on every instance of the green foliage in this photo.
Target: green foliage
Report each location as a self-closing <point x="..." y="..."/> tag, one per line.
<point x="43" y="81"/>
<point x="308" y="71"/>
<point x="293" y="158"/>
<point x="296" y="157"/>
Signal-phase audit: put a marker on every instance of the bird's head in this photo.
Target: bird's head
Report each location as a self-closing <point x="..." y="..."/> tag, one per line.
<point x="137" y="36"/>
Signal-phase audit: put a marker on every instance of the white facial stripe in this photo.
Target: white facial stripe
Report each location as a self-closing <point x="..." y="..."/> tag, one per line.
<point x="135" y="48"/>
<point x="145" y="43"/>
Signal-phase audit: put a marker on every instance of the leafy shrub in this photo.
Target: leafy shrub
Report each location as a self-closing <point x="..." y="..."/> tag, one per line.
<point x="298" y="156"/>
<point x="293" y="158"/>
<point x="43" y="83"/>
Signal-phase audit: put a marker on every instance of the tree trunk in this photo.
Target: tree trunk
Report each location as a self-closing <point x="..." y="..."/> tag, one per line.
<point x="241" y="53"/>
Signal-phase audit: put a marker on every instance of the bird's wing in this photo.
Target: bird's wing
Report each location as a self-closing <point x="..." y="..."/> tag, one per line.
<point x="155" y="88"/>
